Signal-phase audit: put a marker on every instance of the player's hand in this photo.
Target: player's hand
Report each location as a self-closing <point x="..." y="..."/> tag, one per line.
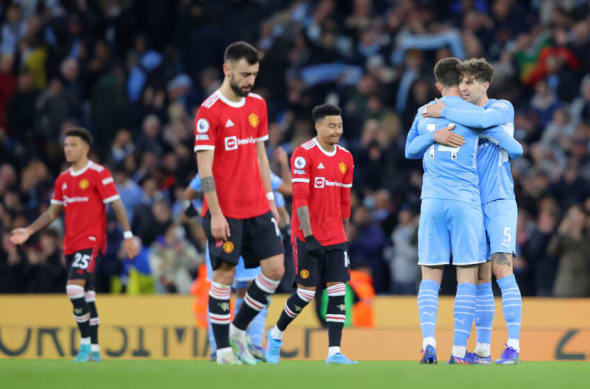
<point x="220" y="228"/>
<point x="313" y="247"/>
<point x="20" y="235"/>
<point x="131" y="248"/>
<point x="446" y="136"/>
<point x="281" y="155"/>
<point x="433" y="110"/>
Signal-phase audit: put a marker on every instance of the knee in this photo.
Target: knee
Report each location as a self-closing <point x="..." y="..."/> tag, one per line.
<point x="75" y="292"/>
<point x="224" y="274"/>
<point x="275" y="272"/>
<point x="502" y="271"/>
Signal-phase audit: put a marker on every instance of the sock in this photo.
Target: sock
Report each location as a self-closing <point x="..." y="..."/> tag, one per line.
<point x="332" y="350"/>
<point x="257" y="327"/>
<point x="463" y="314"/>
<point x="255" y="300"/>
<point x="95" y="348"/>
<point x="512" y="309"/>
<point x="484" y="316"/>
<point x="219" y="314"/>
<point x="90" y="297"/>
<point x="336" y="313"/>
<point x="275" y="333"/>
<point x="294" y="305"/>
<point x="428" y="311"/>
<point x="81" y="313"/>
<point x="211" y="335"/>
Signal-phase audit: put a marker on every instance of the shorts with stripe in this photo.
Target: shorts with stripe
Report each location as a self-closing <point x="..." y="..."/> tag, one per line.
<point x="82" y="265"/>
<point x="312" y="271"/>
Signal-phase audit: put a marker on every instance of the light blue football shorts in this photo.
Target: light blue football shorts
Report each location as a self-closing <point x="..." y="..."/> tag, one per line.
<point x="450" y="226"/>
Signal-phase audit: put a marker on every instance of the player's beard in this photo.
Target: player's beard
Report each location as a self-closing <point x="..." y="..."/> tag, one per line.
<point x="237" y="90"/>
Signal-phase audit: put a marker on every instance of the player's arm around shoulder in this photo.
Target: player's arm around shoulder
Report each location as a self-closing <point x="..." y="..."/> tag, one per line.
<point x="413" y="134"/>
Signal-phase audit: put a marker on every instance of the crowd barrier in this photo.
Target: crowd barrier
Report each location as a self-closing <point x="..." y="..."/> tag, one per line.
<point x="163" y="327"/>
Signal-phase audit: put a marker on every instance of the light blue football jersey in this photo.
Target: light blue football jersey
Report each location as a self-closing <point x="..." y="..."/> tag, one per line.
<point x="495" y="178"/>
<point x="450" y="173"/>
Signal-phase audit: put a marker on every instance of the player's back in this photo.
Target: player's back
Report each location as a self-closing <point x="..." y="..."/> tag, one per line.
<point x="450" y="172"/>
<point x="495" y="178"/>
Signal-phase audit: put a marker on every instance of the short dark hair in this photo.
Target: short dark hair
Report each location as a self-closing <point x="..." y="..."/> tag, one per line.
<point x="479" y="68"/>
<point x="446" y="71"/>
<point x="81" y="133"/>
<point x="240" y="49"/>
<point x="321" y="111"/>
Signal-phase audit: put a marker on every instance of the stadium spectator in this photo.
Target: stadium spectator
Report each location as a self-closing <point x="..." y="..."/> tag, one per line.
<point x="173" y="261"/>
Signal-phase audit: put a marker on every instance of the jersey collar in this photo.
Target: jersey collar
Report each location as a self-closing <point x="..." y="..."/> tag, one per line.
<point x="233" y="104"/>
<point x="77" y="173"/>
<point x="328" y="153"/>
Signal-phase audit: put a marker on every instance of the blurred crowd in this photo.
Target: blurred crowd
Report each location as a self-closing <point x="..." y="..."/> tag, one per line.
<point x="135" y="71"/>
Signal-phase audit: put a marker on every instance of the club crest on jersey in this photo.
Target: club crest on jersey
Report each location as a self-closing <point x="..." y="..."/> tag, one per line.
<point x="202" y="125"/>
<point x="253" y="120"/>
<point x="228" y="247"/>
<point x="84" y="184"/>
<point x="304" y="274"/>
<point x="300" y="162"/>
<point x="342" y="167"/>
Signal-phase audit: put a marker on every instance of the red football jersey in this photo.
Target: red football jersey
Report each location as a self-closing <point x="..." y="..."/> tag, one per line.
<point x="232" y="130"/>
<point x="322" y="181"/>
<point x="84" y="195"/>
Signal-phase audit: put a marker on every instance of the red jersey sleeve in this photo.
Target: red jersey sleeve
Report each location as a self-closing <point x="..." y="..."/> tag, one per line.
<point x="300" y="171"/>
<point x="205" y="129"/>
<point x="347" y="185"/>
<point x="106" y="187"/>
<point x="58" y="197"/>
<point x="262" y="134"/>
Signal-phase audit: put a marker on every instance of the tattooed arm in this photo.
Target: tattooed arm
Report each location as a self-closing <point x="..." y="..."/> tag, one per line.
<point x="219" y="225"/>
<point x="21" y="235"/>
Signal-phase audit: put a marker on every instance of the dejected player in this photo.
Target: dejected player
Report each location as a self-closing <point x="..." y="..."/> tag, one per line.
<point x="322" y="175"/>
<point x="83" y="191"/>
<point x="240" y="217"/>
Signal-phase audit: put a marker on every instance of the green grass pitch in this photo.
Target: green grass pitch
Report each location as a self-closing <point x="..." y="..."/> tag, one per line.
<point x="128" y="374"/>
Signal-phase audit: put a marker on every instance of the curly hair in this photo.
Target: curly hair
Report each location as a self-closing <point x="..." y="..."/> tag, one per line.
<point x="478" y="68"/>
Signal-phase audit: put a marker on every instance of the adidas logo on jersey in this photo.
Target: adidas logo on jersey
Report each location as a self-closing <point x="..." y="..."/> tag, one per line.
<point x="321" y="166"/>
<point x="229" y="123"/>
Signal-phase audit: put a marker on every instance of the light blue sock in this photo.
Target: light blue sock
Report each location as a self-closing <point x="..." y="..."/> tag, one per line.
<point x="463" y="313"/>
<point x="257" y="328"/>
<point x="428" y="310"/>
<point x="212" y="344"/>
<point x="511" y="306"/>
<point x="484" y="312"/>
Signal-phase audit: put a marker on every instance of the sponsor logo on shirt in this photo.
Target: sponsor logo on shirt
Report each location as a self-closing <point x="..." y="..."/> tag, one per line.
<point x="64" y="186"/>
<point x="300" y="162"/>
<point x="342" y="167"/>
<point x="319" y="182"/>
<point x="68" y="200"/>
<point x="253" y="120"/>
<point x="321" y="166"/>
<point x="304" y="273"/>
<point x="202" y="125"/>
<point x="232" y="142"/>
<point x="229" y="123"/>
<point x="84" y="184"/>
